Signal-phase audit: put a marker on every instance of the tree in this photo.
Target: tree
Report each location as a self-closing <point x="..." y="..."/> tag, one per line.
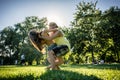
<point x="85" y="23"/>
<point x="112" y="28"/>
<point x="9" y="42"/>
<point x="14" y="40"/>
<point x="22" y="29"/>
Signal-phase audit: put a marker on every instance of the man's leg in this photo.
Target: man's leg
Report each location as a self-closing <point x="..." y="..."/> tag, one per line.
<point x="52" y="59"/>
<point x="58" y="62"/>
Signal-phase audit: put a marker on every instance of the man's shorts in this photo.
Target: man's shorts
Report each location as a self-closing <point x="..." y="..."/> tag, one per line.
<point x="59" y="50"/>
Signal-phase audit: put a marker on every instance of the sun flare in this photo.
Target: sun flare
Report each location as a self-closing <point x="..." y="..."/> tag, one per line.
<point x="57" y="18"/>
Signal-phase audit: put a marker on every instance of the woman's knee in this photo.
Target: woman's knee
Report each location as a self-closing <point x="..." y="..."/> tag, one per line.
<point x="59" y="61"/>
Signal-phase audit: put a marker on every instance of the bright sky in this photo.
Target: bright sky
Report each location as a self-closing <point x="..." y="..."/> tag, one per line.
<point x="59" y="11"/>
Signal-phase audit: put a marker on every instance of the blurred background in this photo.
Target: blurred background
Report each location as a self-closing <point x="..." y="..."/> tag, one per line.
<point x="92" y="28"/>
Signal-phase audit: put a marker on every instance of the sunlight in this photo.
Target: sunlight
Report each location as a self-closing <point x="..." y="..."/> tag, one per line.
<point x="57" y="18"/>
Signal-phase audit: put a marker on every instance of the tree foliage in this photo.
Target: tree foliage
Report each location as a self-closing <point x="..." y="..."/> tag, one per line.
<point x="94" y="35"/>
<point x="14" y="40"/>
<point x="95" y="32"/>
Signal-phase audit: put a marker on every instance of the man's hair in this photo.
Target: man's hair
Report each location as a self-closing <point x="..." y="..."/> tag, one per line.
<point x="35" y="40"/>
<point x="53" y="24"/>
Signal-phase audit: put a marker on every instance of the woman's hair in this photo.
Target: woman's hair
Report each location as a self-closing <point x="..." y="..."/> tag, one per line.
<point x="53" y="24"/>
<point x="35" y="40"/>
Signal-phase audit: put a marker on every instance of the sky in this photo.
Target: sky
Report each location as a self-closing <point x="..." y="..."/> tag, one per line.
<point x="59" y="11"/>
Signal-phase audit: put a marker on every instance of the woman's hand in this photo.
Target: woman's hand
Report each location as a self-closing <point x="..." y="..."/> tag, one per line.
<point x="45" y="30"/>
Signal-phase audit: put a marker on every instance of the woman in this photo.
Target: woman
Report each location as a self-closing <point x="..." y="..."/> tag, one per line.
<point x="39" y="43"/>
<point x="63" y="45"/>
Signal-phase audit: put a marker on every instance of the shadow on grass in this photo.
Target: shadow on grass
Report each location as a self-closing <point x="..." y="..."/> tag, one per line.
<point x="66" y="75"/>
<point x="52" y="75"/>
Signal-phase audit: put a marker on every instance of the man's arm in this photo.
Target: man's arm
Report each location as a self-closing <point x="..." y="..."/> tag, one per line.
<point x="51" y="30"/>
<point x="56" y="34"/>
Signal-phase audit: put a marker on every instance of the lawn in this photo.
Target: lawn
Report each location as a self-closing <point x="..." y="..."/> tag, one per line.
<point x="67" y="72"/>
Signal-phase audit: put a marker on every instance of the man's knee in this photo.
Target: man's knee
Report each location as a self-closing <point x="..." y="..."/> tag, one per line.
<point x="51" y="52"/>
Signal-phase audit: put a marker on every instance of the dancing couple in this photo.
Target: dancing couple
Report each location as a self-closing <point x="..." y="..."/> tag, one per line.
<point x="57" y="44"/>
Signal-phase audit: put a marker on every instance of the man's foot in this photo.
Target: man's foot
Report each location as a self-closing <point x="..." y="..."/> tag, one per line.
<point x="48" y="67"/>
<point x="56" y="68"/>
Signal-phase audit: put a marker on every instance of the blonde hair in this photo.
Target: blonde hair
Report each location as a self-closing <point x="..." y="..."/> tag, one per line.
<point x="53" y="24"/>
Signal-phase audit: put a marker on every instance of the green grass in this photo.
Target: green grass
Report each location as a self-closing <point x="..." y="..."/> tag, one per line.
<point x="67" y="72"/>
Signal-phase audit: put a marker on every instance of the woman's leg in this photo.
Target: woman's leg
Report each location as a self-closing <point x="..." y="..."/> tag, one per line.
<point x="59" y="61"/>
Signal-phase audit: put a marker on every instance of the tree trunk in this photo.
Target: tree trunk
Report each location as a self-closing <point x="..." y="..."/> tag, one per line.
<point x="116" y="52"/>
<point x="118" y="59"/>
<point x="30" y="62"/>
<point x="93" y="60"/>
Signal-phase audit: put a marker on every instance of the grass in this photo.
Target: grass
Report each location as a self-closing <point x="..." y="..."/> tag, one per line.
<point x="67" y="72"/>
